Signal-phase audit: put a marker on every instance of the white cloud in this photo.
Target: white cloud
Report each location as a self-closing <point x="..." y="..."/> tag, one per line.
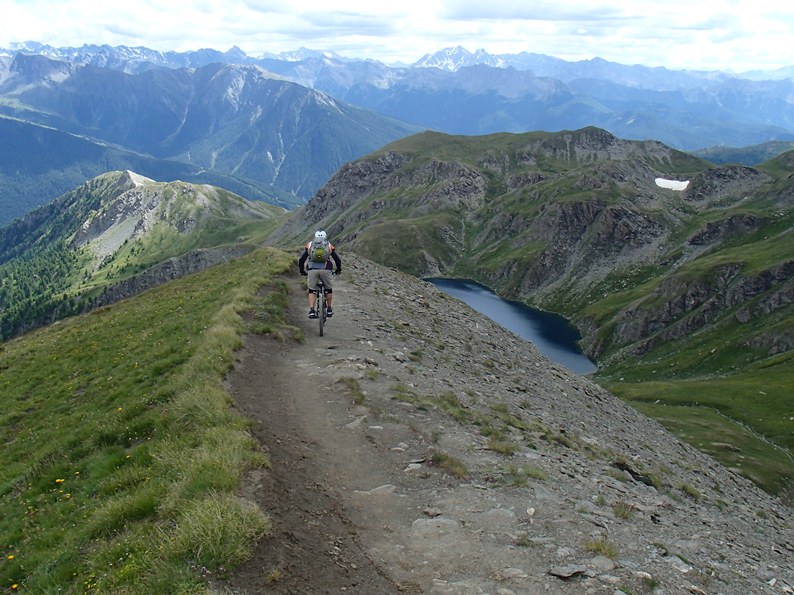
<point x="712" y="34"/>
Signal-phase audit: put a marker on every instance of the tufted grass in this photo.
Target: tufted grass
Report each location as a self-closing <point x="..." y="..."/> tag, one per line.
<point x="120" y="455"/>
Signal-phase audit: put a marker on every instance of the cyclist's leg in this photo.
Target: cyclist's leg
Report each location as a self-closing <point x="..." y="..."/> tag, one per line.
<point x="311" y="282"/>
<point x="329" y="282"/>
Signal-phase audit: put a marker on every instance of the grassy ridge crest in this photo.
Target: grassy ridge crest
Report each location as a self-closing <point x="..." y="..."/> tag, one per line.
<point x="122" y="457"/>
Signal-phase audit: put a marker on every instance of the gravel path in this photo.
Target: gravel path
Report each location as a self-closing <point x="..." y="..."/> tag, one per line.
<point x="420" y="448"/>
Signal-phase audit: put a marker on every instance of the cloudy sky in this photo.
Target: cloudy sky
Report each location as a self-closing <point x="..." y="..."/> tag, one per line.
<point x="736" y="35"/>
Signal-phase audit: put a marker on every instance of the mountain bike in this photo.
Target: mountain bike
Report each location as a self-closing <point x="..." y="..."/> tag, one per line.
<point x="320" y="304"/>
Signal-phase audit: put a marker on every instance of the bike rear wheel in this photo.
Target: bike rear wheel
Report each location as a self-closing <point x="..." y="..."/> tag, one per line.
<point x="321" y="308"/>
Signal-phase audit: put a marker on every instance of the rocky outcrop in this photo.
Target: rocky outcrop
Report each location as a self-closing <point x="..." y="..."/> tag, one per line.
<point x="353" y="182"/>
<point x="725" y="184"/>
<point x="578" y="237"/>
<point x="168" y="270"/>
<point x="689" y="306"/>
<point x="715" y="231"/>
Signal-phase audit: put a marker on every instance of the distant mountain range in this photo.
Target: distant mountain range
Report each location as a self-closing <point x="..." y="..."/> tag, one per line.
<point x="269" y="138"/>
<point x="451" y="59"/>
<point x="276" y="127"/>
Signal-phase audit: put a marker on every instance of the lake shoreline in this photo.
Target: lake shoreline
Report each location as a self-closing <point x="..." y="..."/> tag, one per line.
<point x="553" y="335"/>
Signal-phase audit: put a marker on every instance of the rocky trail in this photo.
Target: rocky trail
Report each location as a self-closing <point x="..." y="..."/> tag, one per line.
<point x="418" y="447"/>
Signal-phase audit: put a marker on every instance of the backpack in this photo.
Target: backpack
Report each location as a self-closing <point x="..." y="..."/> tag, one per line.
<point x="320" y="251"/>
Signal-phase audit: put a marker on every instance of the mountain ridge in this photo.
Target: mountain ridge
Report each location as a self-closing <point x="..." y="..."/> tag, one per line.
<point x="40" y="161"/>
<point x="227" y="122"/>
<point x="113" y="236"/>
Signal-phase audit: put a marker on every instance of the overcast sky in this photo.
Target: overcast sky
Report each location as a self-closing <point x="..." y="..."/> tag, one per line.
<point x="737" y="35"/>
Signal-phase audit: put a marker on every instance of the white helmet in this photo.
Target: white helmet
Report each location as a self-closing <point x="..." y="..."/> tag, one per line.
<point x="320" y="235"/>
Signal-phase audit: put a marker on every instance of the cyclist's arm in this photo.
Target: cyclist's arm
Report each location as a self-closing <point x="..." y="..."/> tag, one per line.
<point x="302" y="261"/>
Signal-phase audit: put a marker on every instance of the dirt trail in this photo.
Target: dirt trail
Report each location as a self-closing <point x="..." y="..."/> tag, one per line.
<point x="352" y="492"/>
<point x="359" y="504"/>
<point x="331" y="476"/>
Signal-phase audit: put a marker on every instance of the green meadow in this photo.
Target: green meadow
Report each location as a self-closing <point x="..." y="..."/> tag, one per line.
<point x="120" y="456"/>
<point x="744" y="418"/>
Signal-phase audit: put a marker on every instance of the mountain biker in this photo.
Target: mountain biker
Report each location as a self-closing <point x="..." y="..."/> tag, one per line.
<point x="320" y="267"/>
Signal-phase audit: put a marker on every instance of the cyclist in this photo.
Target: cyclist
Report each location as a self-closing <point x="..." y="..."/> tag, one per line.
<point x="319" y="254"/>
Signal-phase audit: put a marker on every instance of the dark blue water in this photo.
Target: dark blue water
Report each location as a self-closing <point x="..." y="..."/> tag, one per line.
<point x="553" y="335"/>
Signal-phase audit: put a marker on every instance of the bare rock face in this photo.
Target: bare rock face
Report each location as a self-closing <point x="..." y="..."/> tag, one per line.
<point x="690" y="305"/>
<point x="354" y="181"/>
<point x="731" y="183"/>
<point x="168" y="270"/>
<point x="725" y="228"/>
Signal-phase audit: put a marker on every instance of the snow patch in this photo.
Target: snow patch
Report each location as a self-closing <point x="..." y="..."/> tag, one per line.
<point x="323" y="99"/>
<point x="672" y="184"/>
<point x="138" y="179"/>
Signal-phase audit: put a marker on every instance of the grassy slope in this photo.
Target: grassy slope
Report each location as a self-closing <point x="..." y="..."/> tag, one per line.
<point x="121" y="457"/>
<point x="712" y="387"/>
<point x="743" y="419"/>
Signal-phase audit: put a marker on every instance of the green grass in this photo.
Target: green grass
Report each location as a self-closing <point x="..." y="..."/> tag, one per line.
<point x="121" y="457"/>
<point x="622" y="510"/>
<point x="743" y="419"/>
<point x="450" y="464"/>
<point x="601" y="546"/>
<point x="518" y="475"/>
<point x="354" y="389"/>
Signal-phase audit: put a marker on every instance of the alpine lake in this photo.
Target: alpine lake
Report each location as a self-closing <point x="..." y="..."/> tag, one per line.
<point x="553" y="335"/>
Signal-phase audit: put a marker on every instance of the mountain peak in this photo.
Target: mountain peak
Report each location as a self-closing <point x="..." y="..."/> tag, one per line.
<point x="455" y="58"/>
<point x="303" y="53"/>
<point x="136" y="179"/>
